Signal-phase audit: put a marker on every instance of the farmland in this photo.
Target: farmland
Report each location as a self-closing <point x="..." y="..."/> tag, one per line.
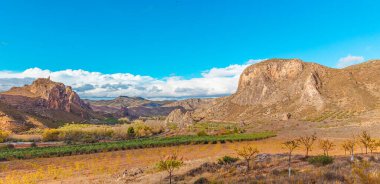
<point x="28" y="153"/>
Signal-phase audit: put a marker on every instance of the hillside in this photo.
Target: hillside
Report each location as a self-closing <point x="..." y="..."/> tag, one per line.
<point x="282" y="89"/>
<point x="135" y="107"/>
<point x="114" y="105"/>
<point x="44" y="103"/>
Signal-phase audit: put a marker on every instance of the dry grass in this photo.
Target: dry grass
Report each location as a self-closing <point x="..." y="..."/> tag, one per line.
<point x="273" y="169"/>
<point x="25" y="138"/>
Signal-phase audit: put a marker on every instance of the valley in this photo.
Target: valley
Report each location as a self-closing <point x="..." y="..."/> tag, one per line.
<point x="50" y="135"/>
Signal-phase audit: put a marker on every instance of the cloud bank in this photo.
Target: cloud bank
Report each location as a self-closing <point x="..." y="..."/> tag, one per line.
<point x="212" y="83"/>
<point x="349" y="60"/>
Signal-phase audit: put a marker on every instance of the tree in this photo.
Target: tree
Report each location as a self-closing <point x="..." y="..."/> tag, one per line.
<point x="326" y="145"/>
<point x="345" y="148"/>
<point x="290" y="146"/>
<point x="366" y="140"/>
<point x="247" y="152"/>
<point x="169" y="164"/>
<point x="349" y="146"/>
<point x="131" y="132"/>
<point x="372" y="146"/>
<point x="307" y="143"/>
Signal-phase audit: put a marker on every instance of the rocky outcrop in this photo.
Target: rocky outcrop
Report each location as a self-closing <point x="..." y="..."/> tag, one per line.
<point x="275" y="81"/>
<point x="43" y="103"/>
<point x="282" y="89"/>
<point x="52" y="95"/>
<point x="180" y="117"/>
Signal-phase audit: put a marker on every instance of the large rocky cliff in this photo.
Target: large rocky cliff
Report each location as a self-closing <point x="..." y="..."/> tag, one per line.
<point x="43" y="103"/>
<point x="279" y="89"/>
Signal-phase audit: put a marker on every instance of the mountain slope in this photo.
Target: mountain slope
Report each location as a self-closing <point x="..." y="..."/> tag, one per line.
<point x="44" y="103"/>
<point x="290" y="88"/>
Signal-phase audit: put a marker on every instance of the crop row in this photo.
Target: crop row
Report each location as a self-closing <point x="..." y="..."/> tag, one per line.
<point x="28" y="153"/>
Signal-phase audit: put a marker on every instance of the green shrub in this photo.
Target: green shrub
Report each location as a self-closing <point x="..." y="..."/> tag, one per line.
<point x="131" y="132"/>
<point x="321" y="160"/>
<point x="202" y="133"/>
<point x="227" y="160"/>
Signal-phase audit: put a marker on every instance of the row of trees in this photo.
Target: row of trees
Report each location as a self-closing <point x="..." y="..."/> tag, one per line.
<point x="248" y="152"/>
<point x="364" y="140"/>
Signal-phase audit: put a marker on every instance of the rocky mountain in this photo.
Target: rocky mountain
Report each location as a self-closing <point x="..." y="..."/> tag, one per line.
<point x="44" y="103"/>
<point x="191" y="104"/>
<point x="114" y="105"/>
<point x="135" y="107"/>
<point x="279" y="89"/>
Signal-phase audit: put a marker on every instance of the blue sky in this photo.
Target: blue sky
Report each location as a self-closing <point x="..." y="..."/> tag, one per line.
<point x="183" y="38"/>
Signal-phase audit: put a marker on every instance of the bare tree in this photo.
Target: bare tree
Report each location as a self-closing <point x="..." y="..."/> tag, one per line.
<point x="366" y="140"/>
<point x="372" y="145"/>
<point x="345" y="148"/>
<point x="290" y="146"/>
<point x="307" y="143"/>
<point x="326" y="145"/>
<point x="349" y="146"/>
<point x="169" y="164"/>
<point x="247" y="152"/>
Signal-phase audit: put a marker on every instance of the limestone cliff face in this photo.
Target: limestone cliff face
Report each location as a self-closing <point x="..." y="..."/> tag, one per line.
<point x="56" y="96"/>
<point x="40" y="104"/>
<point x="290" y="88"/>
<point x="280" y="81"/>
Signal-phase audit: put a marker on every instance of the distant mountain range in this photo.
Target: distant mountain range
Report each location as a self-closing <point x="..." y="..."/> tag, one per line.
<point x="275" y="89"/>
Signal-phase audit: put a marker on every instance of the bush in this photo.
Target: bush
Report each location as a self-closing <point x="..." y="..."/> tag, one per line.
<point x="131" y="132"/>
<point x="34" y="145"/>
<point x="321" y="160"/>
<point x="50" y="135"/>
<point x="202" y="180"/>
<point x="141" y="129"/>
<point x="227" y="160"/>
<point x="202" y="133"/>
<point x="123" y="120"/>
<point x="3" y="135"/>
<point x="332" y="176"/>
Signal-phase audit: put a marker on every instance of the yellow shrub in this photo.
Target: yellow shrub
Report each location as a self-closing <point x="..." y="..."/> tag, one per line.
<point x="141" y="129"/>
<point x="3" y="135"/>
<point x="50" y="135"/>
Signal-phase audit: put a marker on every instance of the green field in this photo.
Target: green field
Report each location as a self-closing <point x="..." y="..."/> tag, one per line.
<point x="28" y="153"/>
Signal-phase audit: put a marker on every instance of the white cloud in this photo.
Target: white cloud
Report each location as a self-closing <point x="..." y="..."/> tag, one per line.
<point x="212" y="83"/>
<point x="349" y="60"/>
